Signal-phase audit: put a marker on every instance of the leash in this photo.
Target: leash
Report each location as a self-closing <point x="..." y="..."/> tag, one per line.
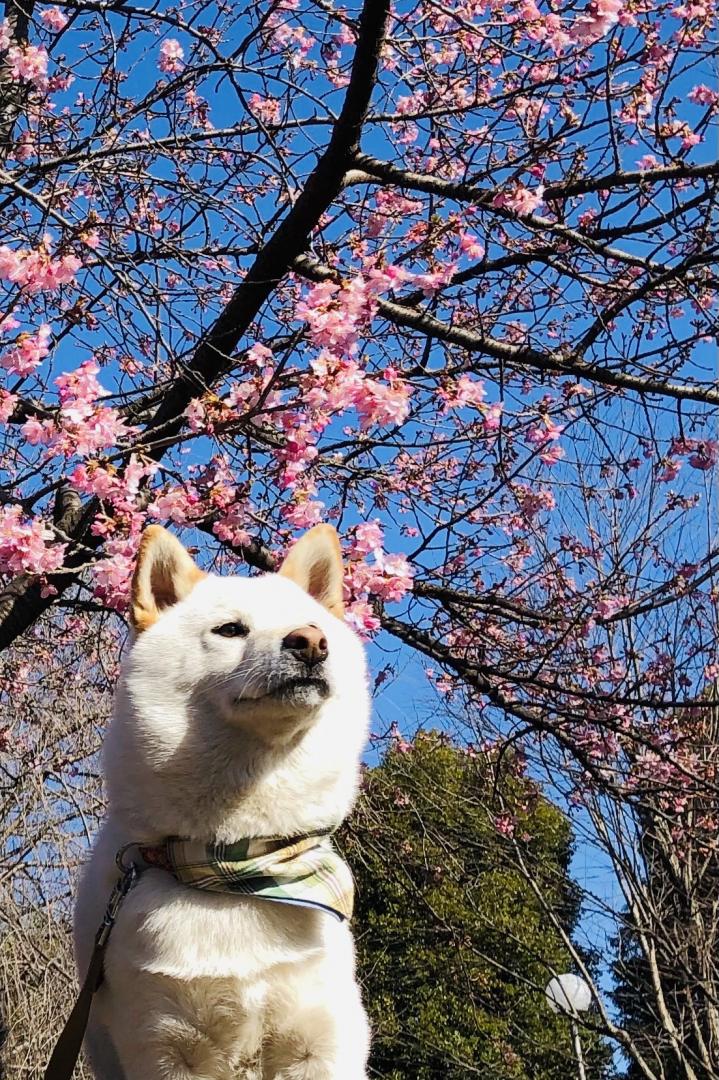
<point x="67" y="1048"/>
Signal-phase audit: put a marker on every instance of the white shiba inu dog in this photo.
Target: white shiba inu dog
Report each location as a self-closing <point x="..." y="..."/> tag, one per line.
<point x="241" y="711"/>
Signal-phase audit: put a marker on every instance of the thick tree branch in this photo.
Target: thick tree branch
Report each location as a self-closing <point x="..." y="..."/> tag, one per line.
<point x="213" y="356"/>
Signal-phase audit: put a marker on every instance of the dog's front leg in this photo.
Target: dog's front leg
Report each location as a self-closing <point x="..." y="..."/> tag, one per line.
<point x="199" y="1029"/>
<point x="318" y="1026"/>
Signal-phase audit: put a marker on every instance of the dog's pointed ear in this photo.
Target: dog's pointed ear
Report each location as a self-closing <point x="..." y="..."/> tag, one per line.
<point x="164" y="574"/>
<point x="315" y="563"/>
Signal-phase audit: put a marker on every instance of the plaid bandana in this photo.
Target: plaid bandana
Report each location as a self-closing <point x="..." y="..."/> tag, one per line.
<point x="305" y="870"/>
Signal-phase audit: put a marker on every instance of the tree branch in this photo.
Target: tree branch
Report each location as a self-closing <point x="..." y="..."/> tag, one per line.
<point x="520" y="356"/>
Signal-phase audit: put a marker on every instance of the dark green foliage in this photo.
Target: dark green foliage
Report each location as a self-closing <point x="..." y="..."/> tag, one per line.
<point x="454" y="945"/>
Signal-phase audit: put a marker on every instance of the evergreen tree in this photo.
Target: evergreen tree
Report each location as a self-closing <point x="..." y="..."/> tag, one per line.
<point x="454" y="945"/>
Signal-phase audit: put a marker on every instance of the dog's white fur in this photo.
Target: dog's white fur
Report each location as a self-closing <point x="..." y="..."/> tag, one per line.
<point x="203" y="986"/>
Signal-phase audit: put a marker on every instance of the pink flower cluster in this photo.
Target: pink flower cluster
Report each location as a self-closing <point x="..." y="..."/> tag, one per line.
<point x="28" y="63"/>
<point x="388" y="578"/>
<point x="304" y="512"/>
<point x="120" y="490"/>
<point x="505" y="824"/>
<point x="610" y="605"/>
<point x="23" y="544"/>
<point x="380" y="404"/>
<point x="543" y="434"/>
<point x="171" y="56"/>
<point x="83" y="426"/>
<point x="468" y="392"/>
<point x="597" y="20"/>
<point x="464" y="391"/>
<point x="54" y="18"/>
<point x="35" y="270"/>
<point x="335" y="313"/>
<point x="703" y="95"/>
<point x="113" y="574"/>
<point x="540" y="27"/>
<point x="521" y="199"/>
<point x="8" y="402"/>
<point x="268" y="110"/>
<point x="178" y="504"/>
<point x="702" y="454"/>
<point x="27" y="352"/>
<point x="533" y="500"/>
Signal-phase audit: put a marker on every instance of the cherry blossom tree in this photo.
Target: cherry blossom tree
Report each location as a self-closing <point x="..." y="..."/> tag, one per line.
<point x="440" y="274"/>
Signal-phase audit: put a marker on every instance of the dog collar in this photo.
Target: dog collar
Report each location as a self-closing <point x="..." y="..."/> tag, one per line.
<point x="303" y="870"/>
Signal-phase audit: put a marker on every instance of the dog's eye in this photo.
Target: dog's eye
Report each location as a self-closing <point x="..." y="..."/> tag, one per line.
<point x="231" y="629"/>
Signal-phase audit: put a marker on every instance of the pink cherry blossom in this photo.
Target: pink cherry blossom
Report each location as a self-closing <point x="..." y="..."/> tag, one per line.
<point x="534" y="500"/>
<point x="492" y="415"/>
<point x="38" y="432"/>
<point x="268" y="109"/>
<point x="261" y="356"/>
<point x="670" y="469"/>
<point x="336" y="313"/>
<point x="171" y="56"/>
<point x="368" y="537"/>
<point x="81" y="384"/>
<point x="703" y="95"/>
<point x="7" y="405"/>
<point x="178" y="504"/>
<point x="609" y="605"/>
<point x="24" y="547"/>
<point x="432" y="281"/>
<point x="54" y="18"/>
<point x="303" y="515"/>
<point x="84" y="427"/>
<point x="379" y="404"/>
<point x="705" y="455"/>
<point x="232" y="527"/>
<point x="36" y="270"/>
<point x="597" y="20"/>
<point x="361" y="617"/>
<point x="546" y="431"/>
<point x="522" y="200"/>
<point x="470" y="246"/>
<point x="27" y="352"/>
<point x="505" y="824"/>
<point x="27" y="63"/>
<point x="465" y="391"/>
<point x="112" y="575"/>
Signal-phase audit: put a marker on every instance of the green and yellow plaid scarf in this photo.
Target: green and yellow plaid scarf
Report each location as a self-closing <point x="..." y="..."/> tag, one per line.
<point x="305" y="870"/>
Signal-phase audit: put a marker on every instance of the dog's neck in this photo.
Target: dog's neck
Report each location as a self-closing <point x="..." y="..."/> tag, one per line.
<point x="225" y="783"/>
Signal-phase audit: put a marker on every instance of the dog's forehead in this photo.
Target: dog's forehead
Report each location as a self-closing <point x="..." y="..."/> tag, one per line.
<point x="267" y="601"/>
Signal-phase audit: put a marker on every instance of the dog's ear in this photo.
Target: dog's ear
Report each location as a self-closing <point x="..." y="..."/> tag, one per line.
<point x="164" y="574"/>
<point x="315" y="563"/>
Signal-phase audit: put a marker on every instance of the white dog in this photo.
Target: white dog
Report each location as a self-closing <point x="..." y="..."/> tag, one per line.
<point x="241" y="711"/>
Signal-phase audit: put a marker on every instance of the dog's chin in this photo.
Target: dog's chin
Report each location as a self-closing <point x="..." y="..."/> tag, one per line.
<point x="301" y="693"/>
<point x="298" y="694"/>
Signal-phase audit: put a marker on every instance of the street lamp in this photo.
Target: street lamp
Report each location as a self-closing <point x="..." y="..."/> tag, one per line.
<point x="570" y="995"/>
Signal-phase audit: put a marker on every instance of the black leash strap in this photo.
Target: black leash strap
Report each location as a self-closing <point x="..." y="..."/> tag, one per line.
<point x="67" y="1048"/>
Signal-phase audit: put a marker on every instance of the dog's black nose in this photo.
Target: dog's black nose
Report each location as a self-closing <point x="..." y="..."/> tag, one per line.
<point x="307" y="643"/>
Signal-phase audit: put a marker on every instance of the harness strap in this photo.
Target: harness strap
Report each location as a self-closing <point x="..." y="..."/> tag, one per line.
<point x="64" y="1057"/>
